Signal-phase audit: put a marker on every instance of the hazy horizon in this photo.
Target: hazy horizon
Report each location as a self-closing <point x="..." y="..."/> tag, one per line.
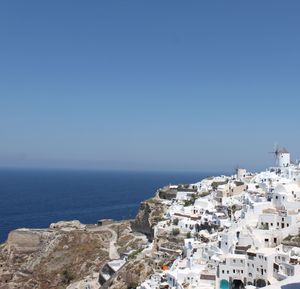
<point x="155" y="86"/>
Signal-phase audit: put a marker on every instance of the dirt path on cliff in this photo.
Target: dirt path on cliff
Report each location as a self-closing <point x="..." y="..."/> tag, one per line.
<point x="113" y="252"/>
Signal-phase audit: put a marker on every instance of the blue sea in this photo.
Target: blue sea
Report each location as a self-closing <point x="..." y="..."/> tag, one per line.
<point x="35" y="198"/>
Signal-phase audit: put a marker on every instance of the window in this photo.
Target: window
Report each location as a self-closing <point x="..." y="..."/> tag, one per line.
<point x="233" y="270"/>
<point x="227" y="271"/>
<point x="222" y="271"/>
<point x="233" y="260"/>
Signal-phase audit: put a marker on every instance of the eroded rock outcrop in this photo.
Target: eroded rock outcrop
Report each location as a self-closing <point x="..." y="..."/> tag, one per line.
<point x="150" y="213"/>
<point x="68" y="225"/>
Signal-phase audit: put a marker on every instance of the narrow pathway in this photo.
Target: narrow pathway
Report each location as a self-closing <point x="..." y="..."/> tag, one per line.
<point x="113" y="252"/>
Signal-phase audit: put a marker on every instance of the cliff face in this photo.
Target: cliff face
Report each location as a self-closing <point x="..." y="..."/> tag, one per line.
<point x="150" y="213"/>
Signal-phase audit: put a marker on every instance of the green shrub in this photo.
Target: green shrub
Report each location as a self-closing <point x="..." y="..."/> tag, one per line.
<point x="132" y="285"/>
<point x="175" y="231"/>
<point x="175" y="221"/>
<point x="204" y="194"/>
<point x="67" y="276"/>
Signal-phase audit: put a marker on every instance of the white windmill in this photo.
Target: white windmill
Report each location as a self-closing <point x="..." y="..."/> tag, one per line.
<point x="282" y="156"/>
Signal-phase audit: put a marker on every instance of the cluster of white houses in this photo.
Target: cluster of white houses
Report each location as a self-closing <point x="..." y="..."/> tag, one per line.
<point x="241" y="231"/>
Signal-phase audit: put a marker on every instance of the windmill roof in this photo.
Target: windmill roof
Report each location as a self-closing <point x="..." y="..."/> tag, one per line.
<point x="282" y="151"/>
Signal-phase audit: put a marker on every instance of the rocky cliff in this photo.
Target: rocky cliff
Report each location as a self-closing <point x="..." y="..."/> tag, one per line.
<point x="150" y="213"/>
<point x="68" y="253"/>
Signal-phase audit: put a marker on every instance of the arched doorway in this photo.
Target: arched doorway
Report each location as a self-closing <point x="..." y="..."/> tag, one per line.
<point x="260" y="283"/>
<point x="237" y="284"/>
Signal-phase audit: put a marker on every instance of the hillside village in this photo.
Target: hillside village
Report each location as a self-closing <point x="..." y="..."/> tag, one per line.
<point x="240" y="231"/>
<point x="224" y="232"/>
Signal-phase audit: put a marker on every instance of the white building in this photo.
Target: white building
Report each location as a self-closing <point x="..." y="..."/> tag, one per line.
<point x="241" y="235"/>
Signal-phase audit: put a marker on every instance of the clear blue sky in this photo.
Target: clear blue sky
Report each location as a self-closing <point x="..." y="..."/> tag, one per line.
<point x="154" y="85"/>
